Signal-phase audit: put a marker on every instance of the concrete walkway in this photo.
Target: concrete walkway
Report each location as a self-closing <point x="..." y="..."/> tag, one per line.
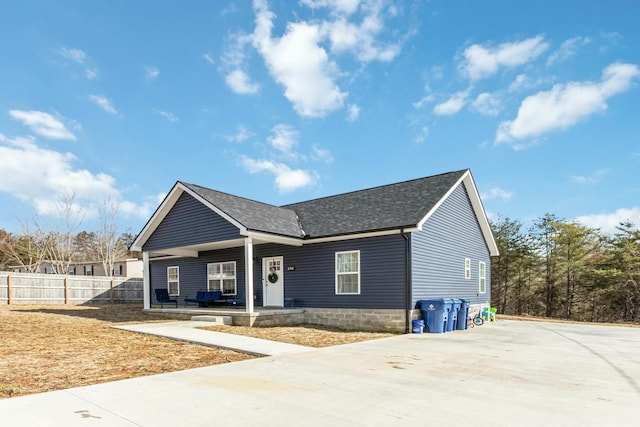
<point x="187" y="331"/>
<point x="503" y="374"/>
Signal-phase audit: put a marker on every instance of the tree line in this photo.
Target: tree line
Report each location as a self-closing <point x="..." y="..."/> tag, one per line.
<point x="61" y="244"/>
<point x="563" y="269"/>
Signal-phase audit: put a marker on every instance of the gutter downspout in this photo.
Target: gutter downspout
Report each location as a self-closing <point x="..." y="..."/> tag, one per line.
<point x="407" y="289"/>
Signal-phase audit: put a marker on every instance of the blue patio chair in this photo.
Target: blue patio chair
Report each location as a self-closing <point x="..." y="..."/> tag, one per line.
<point x="162" y="295"/>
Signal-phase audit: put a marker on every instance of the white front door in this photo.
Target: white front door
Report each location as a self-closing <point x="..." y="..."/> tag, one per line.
<point x="273" y="282"/>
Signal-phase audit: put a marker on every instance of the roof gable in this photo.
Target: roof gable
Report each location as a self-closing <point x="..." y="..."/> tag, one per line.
<point x="402" y="206"/>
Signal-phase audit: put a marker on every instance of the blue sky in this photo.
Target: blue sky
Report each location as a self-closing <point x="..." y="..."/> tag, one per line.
<point x="285" y="101"/>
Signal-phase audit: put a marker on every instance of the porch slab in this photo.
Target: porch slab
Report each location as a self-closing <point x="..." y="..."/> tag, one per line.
<point x="218" y="320"/>
<point x="262" y="317"/>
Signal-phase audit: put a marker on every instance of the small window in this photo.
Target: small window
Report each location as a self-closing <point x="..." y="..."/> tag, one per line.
<point x="348" y="273"/>
<point x="71" y="271"/>
<point x="173" y="280"/>
<point x="222" y="277"/>
<point x="482" y="269"/>
<point x="88" y="270"/>
<point x="117" y="270"/>
<point x="467" y="268"/>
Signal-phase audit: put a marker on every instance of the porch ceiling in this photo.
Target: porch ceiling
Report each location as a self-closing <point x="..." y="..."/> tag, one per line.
<point x="193" y="250"/>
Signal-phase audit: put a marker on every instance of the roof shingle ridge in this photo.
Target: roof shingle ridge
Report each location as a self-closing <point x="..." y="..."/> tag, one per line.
<point x="373" y="188"/>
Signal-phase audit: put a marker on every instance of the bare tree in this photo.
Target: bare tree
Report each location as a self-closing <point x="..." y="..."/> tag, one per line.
<point x="61" y="247"/>
<point x="109" y="245"/>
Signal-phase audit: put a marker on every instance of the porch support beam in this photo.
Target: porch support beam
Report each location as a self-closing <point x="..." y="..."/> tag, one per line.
<point x="146" y="281"/>
<point x="248" y="273"/>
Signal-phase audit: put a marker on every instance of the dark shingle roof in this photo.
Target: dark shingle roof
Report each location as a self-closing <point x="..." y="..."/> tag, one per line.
<point x="252" y="215"/>
<point x="392" y="206"/>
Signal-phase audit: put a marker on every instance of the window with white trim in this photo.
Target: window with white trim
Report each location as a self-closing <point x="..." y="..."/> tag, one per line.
<point x="88" y="270"/>
<point x="348" y="273"/>
<point x="117" y="270"/>
<point x="173" y="281"/>
<point x="467" y="268"/>
<point x="221" y="276"/>
<point x="482" y="274"/>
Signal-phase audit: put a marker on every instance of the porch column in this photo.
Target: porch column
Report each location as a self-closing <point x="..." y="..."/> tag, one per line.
<point x="146" y="281"/>
<point x="248" y="273"/>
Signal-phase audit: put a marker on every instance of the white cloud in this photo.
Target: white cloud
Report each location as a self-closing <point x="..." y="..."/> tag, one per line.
<point x="91" y="73"/>
<point x="241" y="135"/>
<point x="284" y="139"/>
<point x="286" y="179"/>
<point x="481" y="62"/>
<point x="496" y="193"/>
<point x="51" y="176"/>
<point x="567" y="50"/>
<point x="607" y="222"/>
<point x="75" y="55"/>
<point x="43" y="124"/>
<point x="362" y="39"/>
<point x="592" y="179"/>
<point x="239" y="82"/>
<point x="452" y="105"/>
<point x="566" y="104"/>
<point x="208" y="58"/>
<point x="103" y="103"/>
<point x="321" y="154"/>
<point x="346" y="7"/>
<point x="167" y="115"/>
<point x="423" y="135"/>
<point x="354" y="113"/>
<point x="151" y="73"/>
<point x="299" y="63"/>
<point x="487" y="104"/>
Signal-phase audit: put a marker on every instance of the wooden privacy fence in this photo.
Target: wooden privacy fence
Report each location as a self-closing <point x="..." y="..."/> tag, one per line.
<point x="28" y="288"/>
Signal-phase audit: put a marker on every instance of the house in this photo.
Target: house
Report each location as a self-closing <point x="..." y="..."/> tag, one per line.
<point x="358" y="260"/>
<point x="130" y="267"/>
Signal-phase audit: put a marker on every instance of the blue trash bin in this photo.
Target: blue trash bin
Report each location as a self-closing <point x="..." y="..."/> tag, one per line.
<point x="418" y="326"/>
<point x="435" y="313"/>
<point x="463" y="314"/>
<point x="452" y="321"/>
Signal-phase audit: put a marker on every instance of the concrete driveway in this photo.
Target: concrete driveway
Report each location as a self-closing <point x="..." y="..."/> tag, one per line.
<point x="503" y="374"/>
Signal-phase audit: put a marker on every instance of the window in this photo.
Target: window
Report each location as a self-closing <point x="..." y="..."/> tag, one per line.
<point x="467" y="268"/>
<point x="482" y="268"/>
<point x="117" y="270"/>
<point x="71" y="271"/>
<point x="88" y="270"/>
<point x="222" y="277"/>
<point x="173" y="280"/>
<point x="348" y="273"/>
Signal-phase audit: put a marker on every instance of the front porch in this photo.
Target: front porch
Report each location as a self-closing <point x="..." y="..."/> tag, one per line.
<point x="260" y="317"/>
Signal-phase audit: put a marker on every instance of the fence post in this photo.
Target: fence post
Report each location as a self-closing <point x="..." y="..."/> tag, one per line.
<point x="9" y="289"/>
<point x="112" y="292"/>
<point x="66" y="290"/>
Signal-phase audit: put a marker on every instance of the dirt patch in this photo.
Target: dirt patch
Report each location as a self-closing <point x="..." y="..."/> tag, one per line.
<point x="48" y="348"/>
<point x="311" y="336"/>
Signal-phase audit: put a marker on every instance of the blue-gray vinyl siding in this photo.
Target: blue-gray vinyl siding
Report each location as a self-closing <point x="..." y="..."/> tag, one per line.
<point x="449" y="236"/>
<point x="189" y="222"/>
<point x="193" y="272"/>
<point x="312" y="283"/>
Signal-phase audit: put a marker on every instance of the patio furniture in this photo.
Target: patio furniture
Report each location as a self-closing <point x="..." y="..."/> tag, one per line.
<point x="162" y="296"/>
<point x="204" y="298"/>
<point x="200" y="299"/>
